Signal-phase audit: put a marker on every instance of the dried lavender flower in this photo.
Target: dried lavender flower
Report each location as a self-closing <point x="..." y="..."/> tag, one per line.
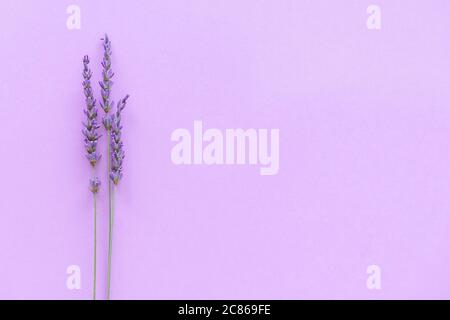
<point x="117" y="152"/>
<point x="107" y="74"/>
<point x="107" y="122"/>
<point x="112" y="123"/>
<point x="91" y="137"/>
<point x="94" y="185"/>
<point x="90" y="125"/>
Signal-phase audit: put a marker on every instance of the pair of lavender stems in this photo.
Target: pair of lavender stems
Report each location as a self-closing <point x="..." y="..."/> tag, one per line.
<point x="112" y="124"/>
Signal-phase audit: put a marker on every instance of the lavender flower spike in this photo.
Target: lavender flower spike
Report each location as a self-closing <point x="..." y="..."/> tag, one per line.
<point x="91" y="137"/>
<point x="117" y="154"/>
<point x="106" y="82"/>
<point x="90" y="126"/>
<point x="112" y="123"/>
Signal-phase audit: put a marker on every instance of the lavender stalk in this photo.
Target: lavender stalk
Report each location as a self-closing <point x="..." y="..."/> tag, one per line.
<point x="115" y="175"/>
<point x="94" y="187"/>
<point x="90" y="143"/>
<point x="107" y="105"/>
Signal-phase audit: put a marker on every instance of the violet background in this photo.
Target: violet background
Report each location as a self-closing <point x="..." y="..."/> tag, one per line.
<point x="364" y="119"/>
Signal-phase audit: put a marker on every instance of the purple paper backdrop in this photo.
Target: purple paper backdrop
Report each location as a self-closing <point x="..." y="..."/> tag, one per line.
<point x="364" y="119"/>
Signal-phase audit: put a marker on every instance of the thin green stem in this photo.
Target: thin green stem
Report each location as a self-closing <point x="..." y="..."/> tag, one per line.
<point x="111" y="228"/>
<point x="95" y="246"/>
<point x="108" y="295"/>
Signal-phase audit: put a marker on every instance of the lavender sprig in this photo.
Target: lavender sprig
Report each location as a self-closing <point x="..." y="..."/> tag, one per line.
<point x="112" y="124"/>
<point x="117" y="154"/>
<point x="90" y="126"/>
<point x="91" y="137"/>
<point x="106" y="82"/>
<point x="108" y="121"/>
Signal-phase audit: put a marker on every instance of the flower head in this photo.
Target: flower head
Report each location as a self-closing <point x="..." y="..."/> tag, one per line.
<point x="90" y="133"/>
<point x="107" y="74"/>
<point x="107" y="121"/>
<point x="94" y="185"/>
<point x="117" y="153"/>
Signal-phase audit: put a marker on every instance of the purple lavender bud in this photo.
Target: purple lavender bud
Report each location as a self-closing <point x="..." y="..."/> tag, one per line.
<point x="93" y="158"/>
<point x="107" y="122"/>
<point x="94" y="185"/>
<point x="107" y="44"/>
<point x="91" y="114"/>
<point x="90" y="126"/>
<point x="121" y="105"/>
<point x="116" y="164"/>
<point x="91" y="146"/>
<point x="115" y="177"/>
<point x="90" y="135"/>
<point x="114" y="144"/>
<point x="116" y="127"/>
